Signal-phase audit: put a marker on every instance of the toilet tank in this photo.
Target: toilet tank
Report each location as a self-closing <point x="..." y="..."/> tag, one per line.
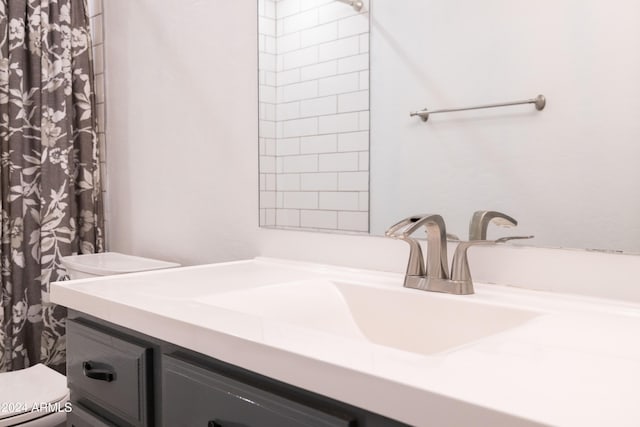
<point x="109" y="263"/>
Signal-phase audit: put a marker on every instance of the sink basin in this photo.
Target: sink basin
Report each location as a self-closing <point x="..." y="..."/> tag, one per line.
<point x="409" y="320"/>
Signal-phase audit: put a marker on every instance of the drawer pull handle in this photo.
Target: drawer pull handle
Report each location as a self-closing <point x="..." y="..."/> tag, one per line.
<point x="97" y="374"/>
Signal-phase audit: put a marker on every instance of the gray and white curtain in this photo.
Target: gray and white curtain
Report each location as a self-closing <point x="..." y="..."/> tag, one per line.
<point x="50" y="178"/>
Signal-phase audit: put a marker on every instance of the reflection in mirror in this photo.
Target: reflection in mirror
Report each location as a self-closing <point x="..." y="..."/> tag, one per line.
<point x="568" y="174"/>
<point x="314" y="114"/>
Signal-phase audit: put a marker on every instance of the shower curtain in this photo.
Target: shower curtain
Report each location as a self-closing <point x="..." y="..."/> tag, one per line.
<point x="50" y="178"/>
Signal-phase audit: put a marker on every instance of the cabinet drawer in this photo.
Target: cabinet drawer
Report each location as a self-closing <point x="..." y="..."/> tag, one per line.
<point x="80" y="417"/>
<point x="196" y="397"/>
<point x="111" y="372"/>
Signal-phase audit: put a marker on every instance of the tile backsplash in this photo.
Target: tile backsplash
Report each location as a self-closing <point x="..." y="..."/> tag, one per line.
<point x="314" y="115"/>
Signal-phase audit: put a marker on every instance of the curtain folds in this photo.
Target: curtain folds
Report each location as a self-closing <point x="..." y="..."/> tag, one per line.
<point x="50" y="189"/>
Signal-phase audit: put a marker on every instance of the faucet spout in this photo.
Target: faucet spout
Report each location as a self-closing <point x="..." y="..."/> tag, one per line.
<point x="437" y="265"/>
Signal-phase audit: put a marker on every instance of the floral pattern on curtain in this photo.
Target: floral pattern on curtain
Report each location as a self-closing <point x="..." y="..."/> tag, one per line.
<point x="50" y="179"/>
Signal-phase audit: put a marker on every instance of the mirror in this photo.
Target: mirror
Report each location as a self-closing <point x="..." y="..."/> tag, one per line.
<point x="314" y="114"/>
<point x="567" y="173"/>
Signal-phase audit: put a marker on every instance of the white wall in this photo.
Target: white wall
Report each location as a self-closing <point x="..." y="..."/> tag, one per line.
<point x="181" y="81"/>
<point x="569" y="173"/>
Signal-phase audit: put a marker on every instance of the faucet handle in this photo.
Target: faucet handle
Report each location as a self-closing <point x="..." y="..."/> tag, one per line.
<point x="480" y="222"/>
<point x="460" y="265"/>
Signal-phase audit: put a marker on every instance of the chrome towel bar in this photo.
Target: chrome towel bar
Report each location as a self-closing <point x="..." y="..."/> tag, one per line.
<point x="539" y="102"/>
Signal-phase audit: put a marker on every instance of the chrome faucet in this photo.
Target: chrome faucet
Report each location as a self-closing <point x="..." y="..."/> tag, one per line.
<point x="480" y="222"/>
<point x="434" y="276"/>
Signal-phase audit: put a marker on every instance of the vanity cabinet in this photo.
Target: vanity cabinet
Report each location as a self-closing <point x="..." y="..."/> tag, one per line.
<point x="119" y="377"/>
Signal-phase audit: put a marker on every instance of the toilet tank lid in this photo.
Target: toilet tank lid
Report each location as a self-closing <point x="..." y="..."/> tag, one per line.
<point x="107" y="263"/>
<point x="37" y="385"/>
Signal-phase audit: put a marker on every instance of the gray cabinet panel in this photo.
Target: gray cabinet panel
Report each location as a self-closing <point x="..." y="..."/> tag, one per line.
<point x="196" y="397"/>
<point x="109" y="371"/>
<point x="81" y="417"/>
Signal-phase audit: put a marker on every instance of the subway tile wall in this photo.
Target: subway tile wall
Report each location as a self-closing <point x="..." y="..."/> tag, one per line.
<point x="314" y="115"/>
<point x="97" y="40"/>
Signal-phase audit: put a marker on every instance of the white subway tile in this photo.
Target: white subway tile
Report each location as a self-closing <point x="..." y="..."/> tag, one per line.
<point x="364" y="80"/>
<point x="279" y="26"/>
<point x="270" y="78"/>
<point x="296" y="164"/>
<point x="338" y="162"/>
<point x="353" y="63"/>
<point x="269" y="9"/>
<point x="267" y="129"/>
<point x="263" y="221"/>
<point x="98" y="59"/>
<point x="353" y="25"/>
<point x="99" y="84"/>
<point x="300" y="127"/>
<point x="319" y="219"/>
<point x="319" y="106"/>
<point x="287" y="111"/>
<point x="268" y="199"/>
<point x="363" y="161"/>
<point x="288" y="43"/>
<point x="300" y="58"/>
<point x="267" y="26"/>
<point x="324" y="181"/>
<point x="280" y="63"/>
<point x="339" y="201"/>
<point x="279" y="164"/>
<point x="364" y="201"/>
<point x="270" y="45"/>
<point x="316" y="71"/>
<point x="287" y="77"/>
<point x="334" y="11"/>
<point x="301" y="200"/>
<point x="95" y="7"/>
<point x="364" y="43"/>
<point x="288" y="7"/>
<point x="312" y="4"/>
<point x="353" y="221"/>
<point x="267" y="112"/>
<point x="96" y="30"/>
<point x="270" y="146"/>
<point x="300" y="21"/>
<point x="267" y="94"/>
<point x="347" y="122"/>
<point x="297" y="91"/>
<point x="279" y="129"/>
<point x="270" y="219"/>
<point x="355" y="101"/>
<point x="287" y="218"/>
<point x="364" y="120"/>
<point x="267" y="164"/>
<point x="353" y="141"/>
<point x="270" y="181"/>
<point x="353" y="181"/>
<point x="261" y="146"/>
<point x="288" y="182"/>
<point x="318" y="144"/>
<point x="267" y="61"/>
<point x="279" y="199"/>
<point x="339" y="49"/>
<point x="320" y="34"/>
<point x="339" y="84"/>
<point x="100" y="118"/>
<point x="288" y="146"/>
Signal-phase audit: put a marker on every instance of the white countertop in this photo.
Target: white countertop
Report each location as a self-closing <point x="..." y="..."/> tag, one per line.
<point x="576" y="364"/>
